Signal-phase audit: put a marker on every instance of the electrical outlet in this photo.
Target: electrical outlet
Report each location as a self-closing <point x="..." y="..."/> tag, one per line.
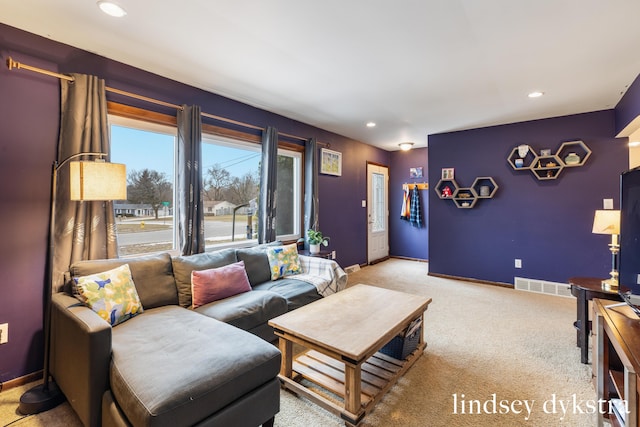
<point x="638" y="279"/>
<point x="4" y="333"/>
<point x="518" y="263"/>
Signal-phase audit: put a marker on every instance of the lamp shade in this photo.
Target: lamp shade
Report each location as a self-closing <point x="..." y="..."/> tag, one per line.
<point x="606" y="222"/>
<point x="98" y="180"/>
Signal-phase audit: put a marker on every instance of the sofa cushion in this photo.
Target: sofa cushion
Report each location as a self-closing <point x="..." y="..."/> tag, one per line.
<point x="247" y="310"/>
<point x="111" y="294"/>
<point x="184" y="265"/>
<point x="283" y="261"/>
<point x="152" y="275"/>
<point x="296" y="292"/>
<point x="256" y="263"/>
<point x="218" y="283"/>
<point x="172" y="366"/>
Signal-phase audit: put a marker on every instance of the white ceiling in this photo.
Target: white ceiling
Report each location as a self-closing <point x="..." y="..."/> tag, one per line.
<point x="415" y="67"/>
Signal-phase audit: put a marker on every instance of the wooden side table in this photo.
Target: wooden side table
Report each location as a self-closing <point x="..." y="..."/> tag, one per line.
<point x="321" y="254"/>
<point x="585" y="289"/>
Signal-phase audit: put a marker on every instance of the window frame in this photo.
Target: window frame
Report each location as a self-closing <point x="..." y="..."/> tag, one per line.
<point x="139" y="115"/>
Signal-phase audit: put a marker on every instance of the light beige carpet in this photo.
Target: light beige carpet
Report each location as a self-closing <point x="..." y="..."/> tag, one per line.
<point x="485" y="344"/>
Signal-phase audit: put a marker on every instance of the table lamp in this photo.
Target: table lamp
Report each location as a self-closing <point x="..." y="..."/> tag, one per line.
<point x="608" y="222"/>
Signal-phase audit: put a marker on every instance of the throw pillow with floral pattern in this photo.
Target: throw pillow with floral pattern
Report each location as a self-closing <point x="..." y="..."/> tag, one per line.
<point x="112" y="294"/>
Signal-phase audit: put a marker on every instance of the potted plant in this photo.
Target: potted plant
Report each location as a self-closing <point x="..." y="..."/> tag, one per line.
<point x="316" y="239"/>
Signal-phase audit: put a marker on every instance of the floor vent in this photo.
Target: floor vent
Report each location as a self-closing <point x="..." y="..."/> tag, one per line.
<point x="542" y="287"/>
<point x="352" y="268"/>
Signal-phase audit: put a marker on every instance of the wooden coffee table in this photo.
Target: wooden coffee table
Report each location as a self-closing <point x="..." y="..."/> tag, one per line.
<point x="343" y="334"/>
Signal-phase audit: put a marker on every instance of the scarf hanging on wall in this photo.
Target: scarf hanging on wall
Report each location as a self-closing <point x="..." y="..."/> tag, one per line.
<point x="405" y="214"/>
<point x="415" y="217"/>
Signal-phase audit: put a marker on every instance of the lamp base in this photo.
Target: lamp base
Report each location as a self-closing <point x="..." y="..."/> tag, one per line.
<point x="38" y="399"/>
<point x="610" y="285"/>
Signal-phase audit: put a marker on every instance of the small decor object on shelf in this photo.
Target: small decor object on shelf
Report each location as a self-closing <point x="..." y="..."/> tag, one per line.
<point x="447" y="173"/>
<point x="545" y="152"/>
<point x="523" y="149"/>
<point x="572" y="159"/>
<point x="446" y="192"/>
<point x="519" y="163"/>
<point x="315" y="240"/>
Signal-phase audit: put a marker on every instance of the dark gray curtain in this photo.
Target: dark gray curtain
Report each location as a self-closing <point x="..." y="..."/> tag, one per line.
<point x="189" y="206"/>
<point x="310" y="187"/>
<point x="268" y="180"/>
<point x="81" y="230"/>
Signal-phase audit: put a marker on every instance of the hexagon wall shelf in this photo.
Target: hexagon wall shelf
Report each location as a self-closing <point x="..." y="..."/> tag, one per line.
<point x="484" y="187"/>
<point x="571" y="154"/>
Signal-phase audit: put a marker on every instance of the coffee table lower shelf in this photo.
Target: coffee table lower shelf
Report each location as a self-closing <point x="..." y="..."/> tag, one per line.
<point x="378" y="374"/>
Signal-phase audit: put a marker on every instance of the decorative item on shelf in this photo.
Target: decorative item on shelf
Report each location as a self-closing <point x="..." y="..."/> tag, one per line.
<point x="315" y="240"/>
<point x="484" y="190"/>
<point x="519" y="163"/>
<point x="523" y="149"/>
<point x="447" y="174"/>
<point x="608" y="222"/>
<point x="572" y="159"/>
<point x="446" y="192"/>
<point x="545" y="152"/>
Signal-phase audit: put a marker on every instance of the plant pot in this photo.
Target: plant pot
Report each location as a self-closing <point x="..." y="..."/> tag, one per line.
<point x="314" y="249"/>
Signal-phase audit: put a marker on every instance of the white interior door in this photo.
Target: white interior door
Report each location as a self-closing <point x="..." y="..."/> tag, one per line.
<point x="377" y="212"/>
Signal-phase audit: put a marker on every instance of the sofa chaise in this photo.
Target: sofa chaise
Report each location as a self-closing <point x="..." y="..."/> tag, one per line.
<point x="173" y="364"/>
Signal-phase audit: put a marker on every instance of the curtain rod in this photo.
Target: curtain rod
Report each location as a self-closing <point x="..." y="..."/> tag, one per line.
<point x="11" y="64"/>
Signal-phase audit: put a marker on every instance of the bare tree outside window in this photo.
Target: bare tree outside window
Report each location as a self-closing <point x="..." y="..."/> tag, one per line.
<point x="149" y="187"/>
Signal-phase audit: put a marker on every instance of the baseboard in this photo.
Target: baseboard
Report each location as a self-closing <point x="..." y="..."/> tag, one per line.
<point x="409" y="258"/>
<point x="467" y="279"/>
<point x="379" y="260"/>
<point x="542" y="287"/>
<point x="16" y="382"/>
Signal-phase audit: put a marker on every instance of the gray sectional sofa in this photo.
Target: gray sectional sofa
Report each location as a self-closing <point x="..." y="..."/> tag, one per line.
<point x="172" y="365"/>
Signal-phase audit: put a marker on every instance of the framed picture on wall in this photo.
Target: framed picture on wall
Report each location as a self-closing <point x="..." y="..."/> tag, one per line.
<point x="330" y="162"/>
<point x="415" y="172"/>
<point x="447" y="173"/>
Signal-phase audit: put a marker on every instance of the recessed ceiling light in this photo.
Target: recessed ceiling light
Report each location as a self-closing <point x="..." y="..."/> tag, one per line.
<point x="406" y="146"/>
<point x="371" y="125"/>
<point x="111" y="8"/>
<point x="535" y="94"/>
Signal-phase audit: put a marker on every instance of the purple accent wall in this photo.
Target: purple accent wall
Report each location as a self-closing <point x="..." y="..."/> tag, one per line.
<point x="29" y="115"/>
<point x="629" y="106"/>
<point x="547" y="224"/>
<point x="406" y="240"/>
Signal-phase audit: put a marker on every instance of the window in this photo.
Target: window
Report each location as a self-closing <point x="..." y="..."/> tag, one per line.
<point x="231" y="184"/>
<point x="145" y="222"/>
<point x="231" y="178"/>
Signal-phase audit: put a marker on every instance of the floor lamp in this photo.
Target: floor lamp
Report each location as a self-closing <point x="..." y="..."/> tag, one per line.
<point x="89" y="180"/>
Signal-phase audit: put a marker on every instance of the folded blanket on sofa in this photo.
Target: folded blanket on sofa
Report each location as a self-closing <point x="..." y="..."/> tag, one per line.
<point x="325" y="274"/>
